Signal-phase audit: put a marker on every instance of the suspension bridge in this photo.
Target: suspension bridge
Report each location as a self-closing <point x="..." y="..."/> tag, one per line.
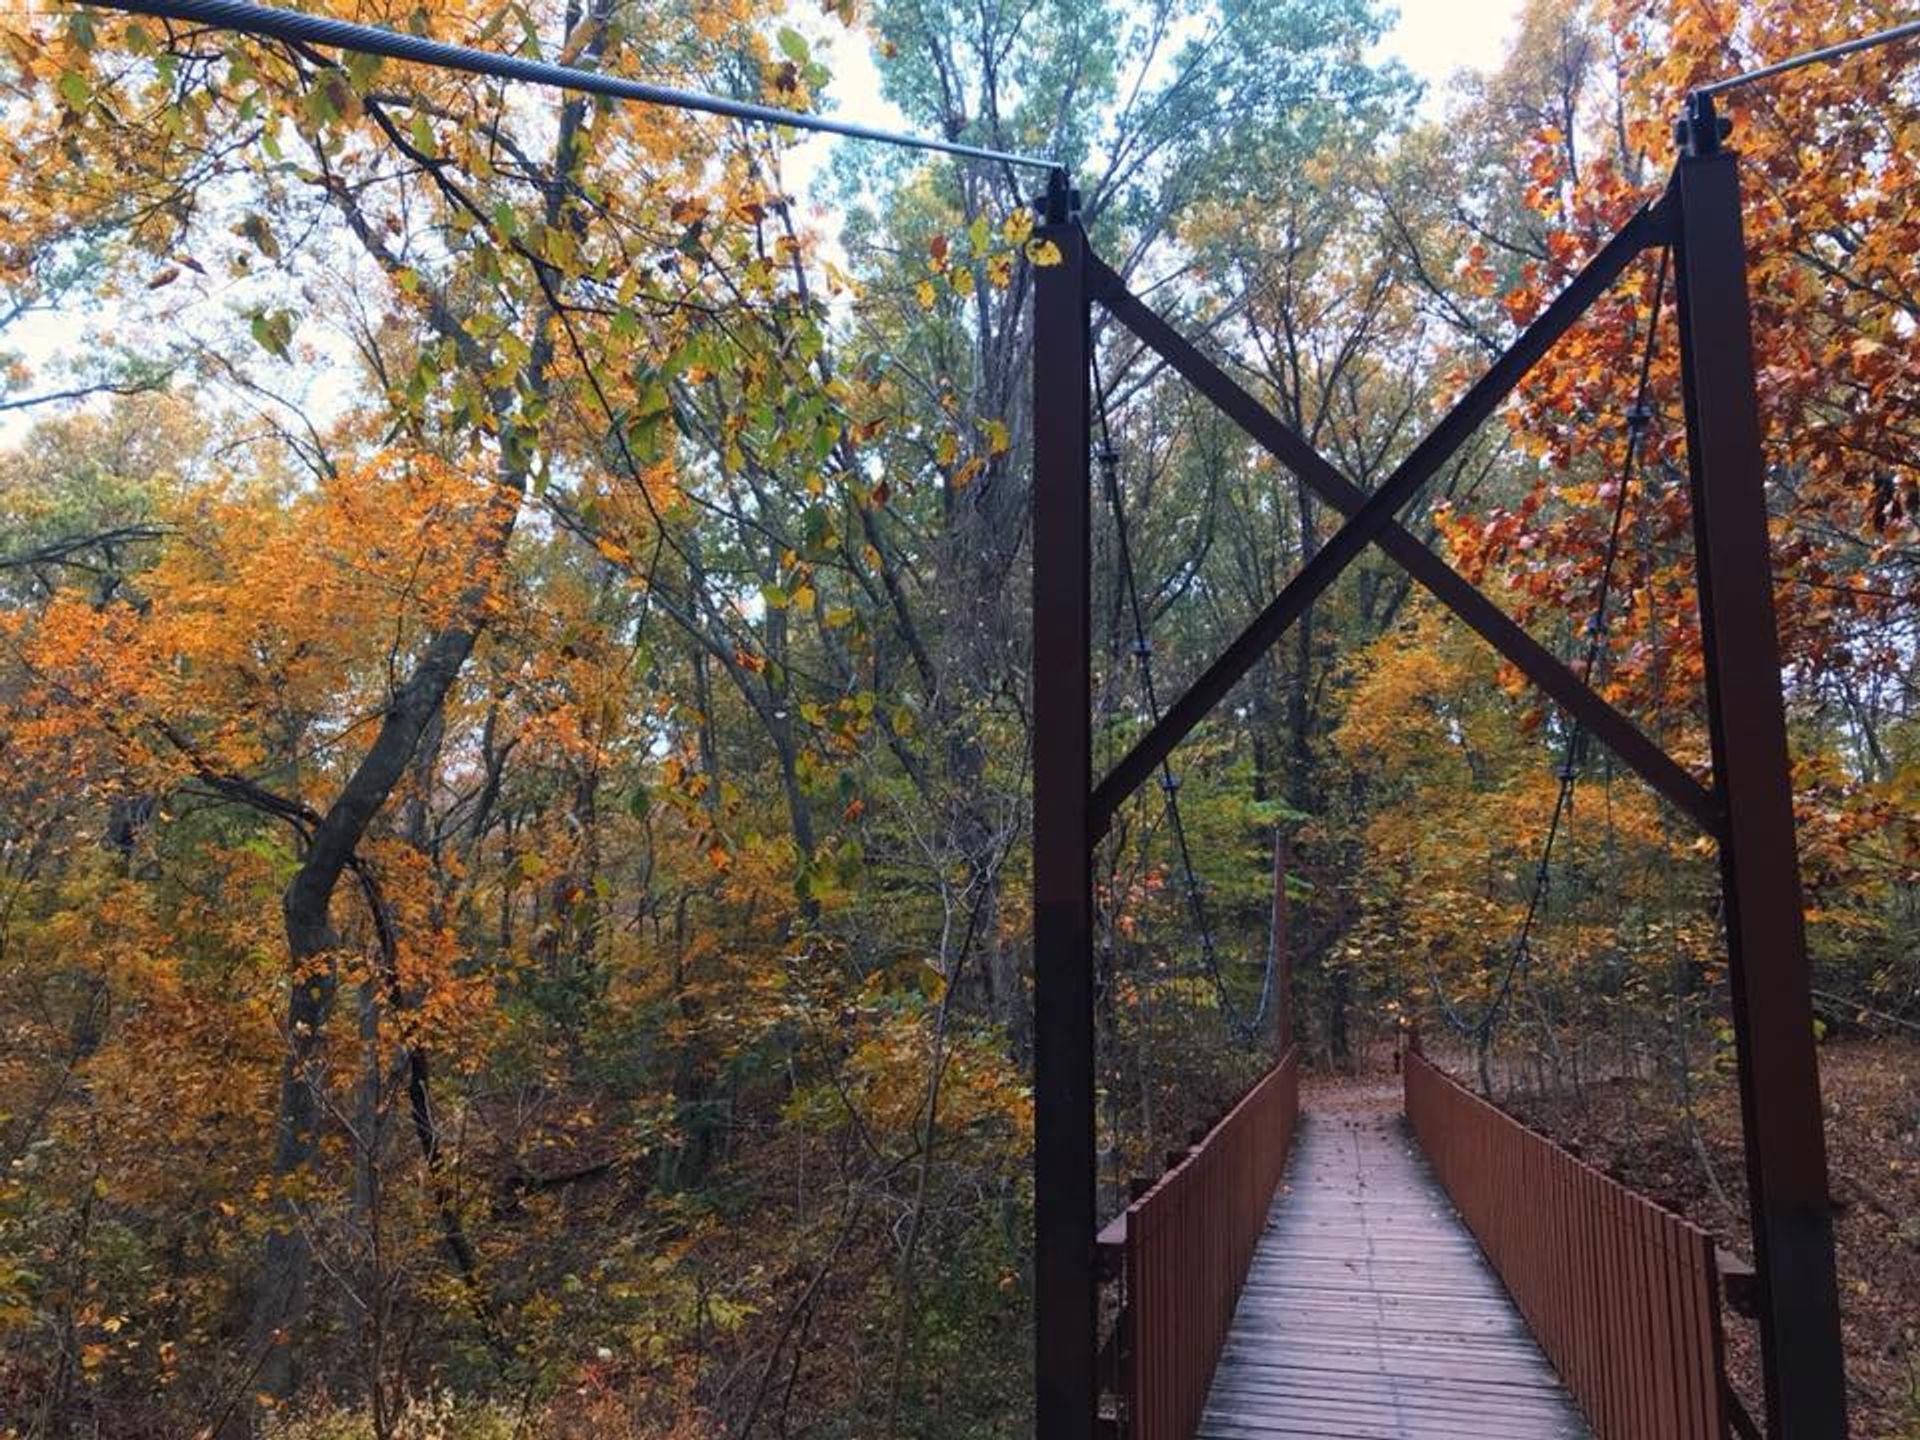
<point x="1619" y="1300"/>
<point x="1432" y="1269"/>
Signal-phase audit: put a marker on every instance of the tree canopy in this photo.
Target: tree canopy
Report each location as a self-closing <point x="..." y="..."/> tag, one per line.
<point x="514" y="702"/>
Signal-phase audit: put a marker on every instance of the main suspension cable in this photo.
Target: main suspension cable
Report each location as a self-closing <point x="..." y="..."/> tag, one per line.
<point x="292" y="25"/>
<point x="1825" y="55"/>
<point x="1639" y="418"/>
<point x="1109" y="461"/>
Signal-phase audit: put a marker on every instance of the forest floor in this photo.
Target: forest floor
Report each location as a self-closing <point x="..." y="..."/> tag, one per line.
<point x="1871" y="1090"/>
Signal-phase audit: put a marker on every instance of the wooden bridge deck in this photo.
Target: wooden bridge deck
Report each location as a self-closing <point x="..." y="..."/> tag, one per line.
<point x="1369" y="1312"/>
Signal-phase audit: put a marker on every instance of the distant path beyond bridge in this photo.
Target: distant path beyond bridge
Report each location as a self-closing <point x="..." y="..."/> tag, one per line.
<point x="1369" y="1312"/>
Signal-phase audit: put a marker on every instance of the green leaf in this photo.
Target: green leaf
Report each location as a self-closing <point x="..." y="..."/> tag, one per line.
<point x="847" y="860"/>
<point x="793" y="45"/>
<point x="361" y="68"/>
<point x="256" y="229"/>
<point x="75" y="90"/>
<point x="818" y="526"/>
<point x="318" y="105"/>
<point x="647" y="437"/>
<point x="654" y="400"/>
<point x="273" y="331"/>
<point x="423" y="137"/>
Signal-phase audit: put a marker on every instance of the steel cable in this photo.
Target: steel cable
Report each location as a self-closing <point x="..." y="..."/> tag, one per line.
<point x="1109" y="460"/>
<point x="1639" y="417"/>
<point x="293" y="25"/>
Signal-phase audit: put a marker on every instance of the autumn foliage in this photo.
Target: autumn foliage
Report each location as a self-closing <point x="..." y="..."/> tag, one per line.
<point x="514" y="714"/>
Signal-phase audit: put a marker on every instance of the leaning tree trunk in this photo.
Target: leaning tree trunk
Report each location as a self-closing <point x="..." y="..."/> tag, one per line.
<point x="313" y="946"/>
<point x="281" y="1293"/>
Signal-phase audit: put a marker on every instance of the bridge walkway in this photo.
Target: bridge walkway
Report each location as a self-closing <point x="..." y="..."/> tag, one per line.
<point x="1369" y="1312"/>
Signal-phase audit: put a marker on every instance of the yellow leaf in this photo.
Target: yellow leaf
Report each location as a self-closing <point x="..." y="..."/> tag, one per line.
<point x="1018" y="226"/>
<point x="923" y="292"/>
<point x="1044" y="252"/>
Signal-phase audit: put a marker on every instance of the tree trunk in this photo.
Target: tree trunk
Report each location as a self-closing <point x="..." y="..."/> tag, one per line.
<point x="282" y="1291"/>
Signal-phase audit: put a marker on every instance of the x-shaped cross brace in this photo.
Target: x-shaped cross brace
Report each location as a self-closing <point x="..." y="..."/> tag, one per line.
<point x="1371" y="520"/>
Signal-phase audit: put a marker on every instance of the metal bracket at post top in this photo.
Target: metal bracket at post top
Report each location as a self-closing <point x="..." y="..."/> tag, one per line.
<point x="1061" y="204"/>
<point x="1701" y="128"/>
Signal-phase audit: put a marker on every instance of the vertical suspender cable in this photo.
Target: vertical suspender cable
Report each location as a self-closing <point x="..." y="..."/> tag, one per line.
<point x="1639" y="417"/>
<point x="1109" y="459"/>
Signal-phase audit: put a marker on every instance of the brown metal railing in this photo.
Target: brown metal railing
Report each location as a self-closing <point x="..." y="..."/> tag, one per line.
<point x="1622" y="1295"/>
<point x="1181" y="1252"/>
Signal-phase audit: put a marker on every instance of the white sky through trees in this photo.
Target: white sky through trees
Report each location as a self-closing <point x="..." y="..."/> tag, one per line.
<point x="1433" y="38"/>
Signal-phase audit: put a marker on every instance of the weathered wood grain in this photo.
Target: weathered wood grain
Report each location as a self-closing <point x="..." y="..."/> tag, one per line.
<point x="1369" y="1313"/>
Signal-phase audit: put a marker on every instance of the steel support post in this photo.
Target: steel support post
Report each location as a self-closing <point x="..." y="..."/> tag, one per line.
<point x="1759" y="862"/>
<point x="1063" y="1081"/>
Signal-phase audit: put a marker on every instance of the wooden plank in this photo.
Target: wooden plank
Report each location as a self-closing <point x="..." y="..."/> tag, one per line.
<point x="1369" y="1312"/>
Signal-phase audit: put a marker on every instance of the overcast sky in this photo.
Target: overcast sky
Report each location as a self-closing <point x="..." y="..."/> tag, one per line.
<point x="1434" y="39"/>
<point x="1437" y="37"/>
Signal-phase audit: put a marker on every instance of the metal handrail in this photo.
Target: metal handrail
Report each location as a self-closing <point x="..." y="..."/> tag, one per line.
<point x="1622" y="1295"/>
<point x="1181" y="1252"/>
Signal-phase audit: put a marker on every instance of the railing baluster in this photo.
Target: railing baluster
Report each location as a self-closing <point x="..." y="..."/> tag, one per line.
<point x="1622" y="1295"/>
<point x="1189" y="1241"/>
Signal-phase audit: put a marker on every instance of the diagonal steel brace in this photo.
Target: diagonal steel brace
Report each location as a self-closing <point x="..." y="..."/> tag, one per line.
<point x="1370" y="519"/>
